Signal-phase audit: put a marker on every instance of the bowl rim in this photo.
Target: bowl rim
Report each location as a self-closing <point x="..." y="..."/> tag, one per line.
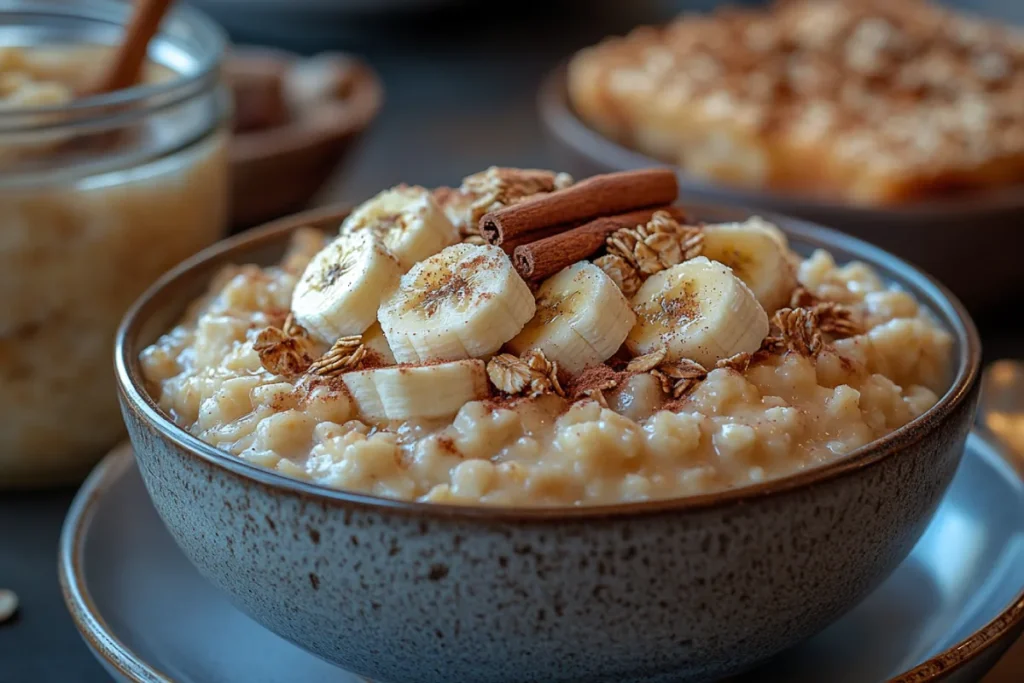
<point x="562" y="123"/>
<point x="134" y="397"/>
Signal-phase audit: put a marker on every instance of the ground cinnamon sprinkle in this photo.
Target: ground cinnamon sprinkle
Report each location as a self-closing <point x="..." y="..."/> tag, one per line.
<point x="596" y="378"/>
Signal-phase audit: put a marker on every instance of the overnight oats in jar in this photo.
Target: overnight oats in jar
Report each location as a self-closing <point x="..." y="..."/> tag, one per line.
<point x="99" y="195"/>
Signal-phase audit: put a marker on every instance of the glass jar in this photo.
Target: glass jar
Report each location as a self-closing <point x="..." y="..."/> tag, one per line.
<point x="98" y="197"/>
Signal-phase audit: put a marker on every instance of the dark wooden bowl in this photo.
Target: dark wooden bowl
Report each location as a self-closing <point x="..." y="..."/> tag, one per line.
<point x="970" y="244"/>
<point x="276" y="170"/>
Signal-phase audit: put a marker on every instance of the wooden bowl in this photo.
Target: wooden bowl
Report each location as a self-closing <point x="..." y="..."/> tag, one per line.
<point x="276" y="169"/>
<point x="671" y="590"/>
<point x="971" y="244"/>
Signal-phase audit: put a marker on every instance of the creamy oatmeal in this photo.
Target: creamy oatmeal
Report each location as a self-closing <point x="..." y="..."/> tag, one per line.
<point x="95" y="205"/>
<point x="674" y="360"/>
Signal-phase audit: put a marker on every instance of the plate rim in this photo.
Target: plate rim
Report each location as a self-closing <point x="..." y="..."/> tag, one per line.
<point x="102" y="641"/>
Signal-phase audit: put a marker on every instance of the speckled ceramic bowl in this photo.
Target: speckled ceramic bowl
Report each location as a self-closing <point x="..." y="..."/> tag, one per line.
<point x="687" y="589"/>
<point x="970" y="243"/>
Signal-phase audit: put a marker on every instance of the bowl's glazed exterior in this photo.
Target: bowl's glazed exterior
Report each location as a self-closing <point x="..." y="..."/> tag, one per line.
<point x="688" y="589"/>
<point x="969" y="243"/>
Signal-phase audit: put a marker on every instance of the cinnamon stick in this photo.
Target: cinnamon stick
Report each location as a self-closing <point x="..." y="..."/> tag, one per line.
<point x="126" y="65"/>
<point x="509" y="245"/>
<point x="600" y="195"/>
<point x="544" y="257"/>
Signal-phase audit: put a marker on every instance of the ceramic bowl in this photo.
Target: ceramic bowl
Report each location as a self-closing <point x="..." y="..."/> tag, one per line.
<point x="676" y="590"/>
<point x="969" y="244"/>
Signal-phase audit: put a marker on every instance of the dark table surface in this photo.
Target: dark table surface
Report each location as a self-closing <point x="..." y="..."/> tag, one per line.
<point x="460" y="97"/>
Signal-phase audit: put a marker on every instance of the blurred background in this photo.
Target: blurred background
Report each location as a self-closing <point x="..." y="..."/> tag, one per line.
<point x="460" y="76"/>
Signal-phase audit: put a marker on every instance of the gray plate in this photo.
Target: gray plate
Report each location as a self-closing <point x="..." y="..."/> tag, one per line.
<point x="946" y="614"/>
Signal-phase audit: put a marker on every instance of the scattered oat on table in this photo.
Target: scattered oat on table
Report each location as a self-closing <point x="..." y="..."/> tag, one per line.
<point x="8" y="604"/>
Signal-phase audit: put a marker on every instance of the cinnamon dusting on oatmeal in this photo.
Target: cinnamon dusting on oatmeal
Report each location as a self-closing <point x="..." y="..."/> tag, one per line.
<point x="596" y="379"/>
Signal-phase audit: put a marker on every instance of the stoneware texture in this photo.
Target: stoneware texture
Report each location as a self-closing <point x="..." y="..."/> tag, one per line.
<point x="150" y="617"/>
<point x="983" y="269"/>
<point x="680" y="590"/>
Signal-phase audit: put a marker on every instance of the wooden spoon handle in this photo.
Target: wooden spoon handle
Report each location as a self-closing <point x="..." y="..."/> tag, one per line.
<point x="126" y="65"/>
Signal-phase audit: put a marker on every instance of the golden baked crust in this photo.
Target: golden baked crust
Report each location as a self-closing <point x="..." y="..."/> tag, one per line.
<point x="866" y="101"/>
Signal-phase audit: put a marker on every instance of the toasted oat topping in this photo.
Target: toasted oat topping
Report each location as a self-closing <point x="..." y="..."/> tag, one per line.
<point x="680" y="377"/>
<point x="284" y="354"/>
<point x="648" y="361"/>
<point x="508" y="374"/>
<point x="532" y="374"/>
<point x="802" y="298"/>
<point x="545" y="374"/>
<point x="739" y="362"/>
<point x="900" y="84"/>
<point x="659" y="244"/>
<point x="493" y="189"/>
<point x="345" y="355"/>
<point x="802" y="329"/>
<point x="837" y="320"/>
<point x="624" y="275"/>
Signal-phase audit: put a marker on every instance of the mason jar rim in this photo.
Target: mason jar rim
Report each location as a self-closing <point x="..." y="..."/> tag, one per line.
<point x="184" y="31"/>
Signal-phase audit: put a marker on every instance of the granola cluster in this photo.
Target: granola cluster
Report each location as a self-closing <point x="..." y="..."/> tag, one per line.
<point x="286" y="351"/>
<point x="638" y="252"/>
<point x="493" y="189"/>
<point x="290" y="352"/>
<point x="530" y="374"/>
<point x="803" y="330"/>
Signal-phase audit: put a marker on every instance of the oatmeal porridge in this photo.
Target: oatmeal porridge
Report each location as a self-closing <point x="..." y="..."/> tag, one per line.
<point x="526" y="340"/>
<point x="86" y="193"/>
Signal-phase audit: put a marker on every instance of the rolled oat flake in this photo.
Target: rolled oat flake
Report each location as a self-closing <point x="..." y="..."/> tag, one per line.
<point x="8" y="604"/>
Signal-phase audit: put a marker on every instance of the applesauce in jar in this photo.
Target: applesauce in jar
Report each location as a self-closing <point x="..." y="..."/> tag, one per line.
<point x="98" y="197"/>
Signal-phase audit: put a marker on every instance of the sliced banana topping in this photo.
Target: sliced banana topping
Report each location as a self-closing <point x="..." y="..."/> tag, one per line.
<point x="698" y="310"/>
<point x="582" y="318"/>
<point x="422" y="392"/>
<point x="341" y="288"/>
<point x="377" y="345"/>
<point x="464" y="302"/>
<point x="756" y="252"/>
<point x="408" y="221"/>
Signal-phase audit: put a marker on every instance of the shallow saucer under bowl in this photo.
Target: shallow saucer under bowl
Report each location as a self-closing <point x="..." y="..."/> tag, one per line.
<point x="685" y="589"/>
<point x="969" y="243"/>
<point x="948" y="612"/>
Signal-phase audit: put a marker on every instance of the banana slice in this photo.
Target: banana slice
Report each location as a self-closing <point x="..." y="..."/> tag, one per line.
<point x="697" y="310"/>
<point x="757" y="253"/>
<point x="341" y="288"/>
<point x="376" y="342"/>
<point x="582" y="318"/>
<point x="422" y="392"/>
<point x="464" y="302"/>
<point x="407" y="220"/>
